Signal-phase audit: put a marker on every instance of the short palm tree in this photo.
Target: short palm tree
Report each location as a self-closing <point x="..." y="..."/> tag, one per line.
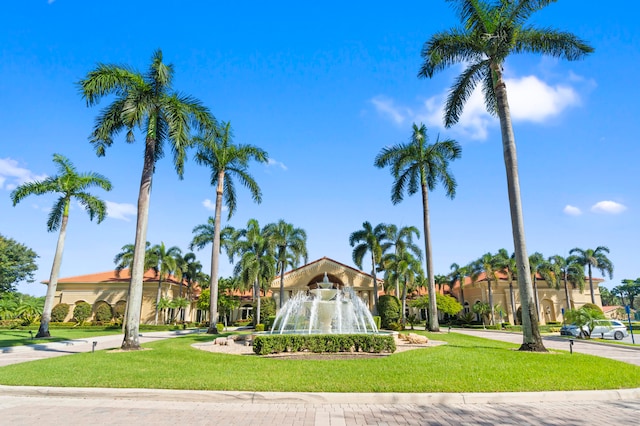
<point x="490" y="264"/>
<point x="69" y="184"/>
<point x="458" y="274"/>
<point x="420" y="165"/>
<point x="567" y="270"/>
<point x="165" y="265"/>
<point x="369" y="239"/>
<point x="507" y="264"/>
<point x="402" y="268"/>
<point x="227" y="162"/>
<point x="490" y="32"/>
<point x="594" y="259"/>
<point x="257" y="264"/>
<point x="145" y="101"/>
<point x="401" y="241"/>
<point x="124" y="259"/>
<point x="292" y="247"/>
<point x="538" y="265"/>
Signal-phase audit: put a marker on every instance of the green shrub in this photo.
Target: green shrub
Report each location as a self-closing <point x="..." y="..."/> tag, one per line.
<point x="389" y="310"/>
<point x="59" y="312"/>
<point x="220" y="327"/>
<point x="259" y="327"/>
<point x="269" y="322"/>
<point x="103" y="312"/>
<point x="118" y="310"/>
<point x="592" y="307"/>
<point x="376" y="320"/>
<point x="81" y="312"/>
<point x="267" y="309"/>
<point x="317" y="343"/>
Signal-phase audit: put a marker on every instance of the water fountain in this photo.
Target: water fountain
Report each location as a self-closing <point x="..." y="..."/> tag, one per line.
<point x="325" y="310"/>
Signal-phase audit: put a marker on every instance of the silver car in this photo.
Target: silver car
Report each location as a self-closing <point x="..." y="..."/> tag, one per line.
<point x="609" y="329"/>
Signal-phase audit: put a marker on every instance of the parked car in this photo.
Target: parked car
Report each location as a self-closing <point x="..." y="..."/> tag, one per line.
<point x="605" y="329"/>
<point x="609" y="329"/>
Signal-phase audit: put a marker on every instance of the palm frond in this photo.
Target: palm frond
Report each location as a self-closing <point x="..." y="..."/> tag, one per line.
<point x="550" y="42"/>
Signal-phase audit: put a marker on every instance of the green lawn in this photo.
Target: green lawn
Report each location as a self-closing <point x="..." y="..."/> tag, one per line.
<point x="465" y="364"/>
<point x="22" y="337"/>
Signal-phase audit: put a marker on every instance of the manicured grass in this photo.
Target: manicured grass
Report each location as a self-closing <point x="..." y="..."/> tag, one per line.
<point x="17" y="337"/>
<point x="465" y="364"/>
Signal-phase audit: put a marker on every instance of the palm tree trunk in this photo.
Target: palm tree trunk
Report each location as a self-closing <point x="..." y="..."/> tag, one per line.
<point x="513" y="303"/>
<point x="532" y="341"/>
<point x="404" y="301"/>
<point x="215" y="258"/>
<point x="134" y="301"/>
<point x="566" y="292"/>
<point x="158" y="296"/>
<point x="43" y="331"/>
<point x="375" y="284"/>
<point x="535" y="296"/>
<point x="284" y="247"/>
<point x="593" y="297"/>
<point x="433" y="309"/>
<point x="492" y="319"/>
<point x="256" y="288"/>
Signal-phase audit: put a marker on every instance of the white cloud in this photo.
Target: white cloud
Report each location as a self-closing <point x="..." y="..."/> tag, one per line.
<point x="273" y="162"/>
<point x="530" y="99"/>
<point x="387" y="107"/>
<point x="209" y="205"/>
<point x="12" y="175"/>
<point x="534" y="100"/>
<point x="610" y="207"/>
<point x="572" y="210"/>
<point x="122" y="211"/>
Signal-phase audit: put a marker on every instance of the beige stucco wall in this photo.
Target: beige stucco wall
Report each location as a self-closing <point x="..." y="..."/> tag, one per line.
<point x="551" y="301"/>
<point x="114" y="292"/>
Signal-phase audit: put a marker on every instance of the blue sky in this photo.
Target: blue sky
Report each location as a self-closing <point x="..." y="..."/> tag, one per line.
<point x="323" y="87"/>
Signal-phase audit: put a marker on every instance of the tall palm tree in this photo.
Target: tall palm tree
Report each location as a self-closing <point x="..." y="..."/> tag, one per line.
<point x="596" y="259"/>
<point x="569" y="271"/>
<point x="420" y="165"/>
<point x="292" y="246"/>
<point x="369" y="239"/>
<point x="227" y="161"/>
<point x="166" y="264"/>
<point x="257" y="264"/>
<point x="69" y="184"/>
<point x="145" y="101"/>
<point x="490" y="32"/>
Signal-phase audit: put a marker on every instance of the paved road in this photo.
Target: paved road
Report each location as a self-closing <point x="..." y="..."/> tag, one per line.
<point x="70" y="406"/>
<point x="630" y="354"/>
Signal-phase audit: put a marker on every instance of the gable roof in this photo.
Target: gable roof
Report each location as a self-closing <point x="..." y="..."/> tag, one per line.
<point x="323" y="264"/>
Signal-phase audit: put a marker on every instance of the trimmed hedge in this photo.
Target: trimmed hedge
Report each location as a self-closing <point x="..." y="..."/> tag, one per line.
<point x="59" y="312"/>
<point x="389" y="310"/>
<point x="276" y="343"/>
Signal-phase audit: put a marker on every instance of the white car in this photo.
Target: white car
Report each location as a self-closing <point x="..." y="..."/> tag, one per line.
<point x="611" y="329"/>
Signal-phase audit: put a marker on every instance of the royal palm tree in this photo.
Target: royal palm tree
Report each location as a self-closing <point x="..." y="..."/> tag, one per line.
<point x="490" y="32"/>
<point x="124" y="259"/>
<point x="369" y="239"/>
<point x="420" y="165"/>
<point x="569" y="271"/>
<point x="147" y="102"/>
<point x="165" y="265"/>
<point x="68" y="184"/>
<point x="507" y="264"/>
<point x="596" y="259"/>
<point x="227" y="162"/>
<point x="292" y="247"/>
<point x="257" y="264"/>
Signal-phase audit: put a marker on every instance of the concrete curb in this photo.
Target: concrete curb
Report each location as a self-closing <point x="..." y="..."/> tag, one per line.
<point x="240" y="397"/>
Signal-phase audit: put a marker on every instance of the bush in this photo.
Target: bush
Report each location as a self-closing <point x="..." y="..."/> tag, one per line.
<point x="389" y="310"/>
<point x="118" y="310"/>
<point x="59" y="312"/>
<point x="267" y="309"/>
<point x="592" y="307"/>
<point x="269" y="322"/>
<point x="220" y="327"/>
<point x="259" y="327"/>
<point x="376" y="320"/>
<point x="317" y="343"/>
<point x="103" y="313"/>
<point x="81" y="312"/>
